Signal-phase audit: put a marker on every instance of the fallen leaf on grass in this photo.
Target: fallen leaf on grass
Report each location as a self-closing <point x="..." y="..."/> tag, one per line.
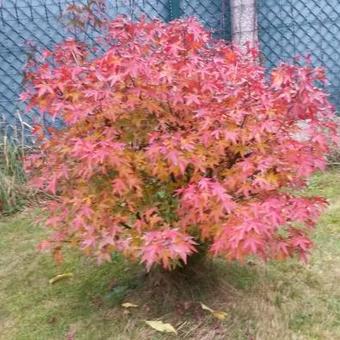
<point x="60" y="277"/>
<point x="220" y="315"/>
<point x="160" y="326"/>
<point x="217" y="314"/>
<point x="205" y="307"/>
<point x="129" y="305"/>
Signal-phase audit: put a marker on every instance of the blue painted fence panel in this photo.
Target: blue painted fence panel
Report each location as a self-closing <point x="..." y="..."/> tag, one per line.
<point x="290" y="28"/>
<point x="39" y="21"/>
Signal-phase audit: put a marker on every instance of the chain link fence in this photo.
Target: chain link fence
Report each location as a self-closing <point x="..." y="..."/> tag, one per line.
<point x="286" y="29"/>
<point x="290" y="28"/>
<point x="30" y="24"/>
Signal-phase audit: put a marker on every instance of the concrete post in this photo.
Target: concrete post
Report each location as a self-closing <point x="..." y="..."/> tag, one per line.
<point x="243" y="21"/>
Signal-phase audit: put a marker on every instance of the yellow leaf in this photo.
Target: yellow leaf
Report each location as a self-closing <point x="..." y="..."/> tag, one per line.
<point x="160" y="326"/>
<point x="60" y="277"/>
<point x="129" y="305"/>
<point x="217" y="314"/>
<point x="220" y="315"/>
<point x="261" y="147"/>
<point x="272" y="178"/>
<point x="74" y="96"/>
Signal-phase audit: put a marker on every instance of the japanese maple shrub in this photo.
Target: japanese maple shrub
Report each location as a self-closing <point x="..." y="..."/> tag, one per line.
<point x="173" y="140"/>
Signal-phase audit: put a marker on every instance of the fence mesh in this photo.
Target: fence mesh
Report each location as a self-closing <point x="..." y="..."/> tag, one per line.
<point x="28" y="23"/>
<point x="286" y="28"/>
<point x="290" y="28"/>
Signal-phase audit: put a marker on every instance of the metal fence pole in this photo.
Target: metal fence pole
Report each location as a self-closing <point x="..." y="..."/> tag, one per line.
<point x="175" y="9"/>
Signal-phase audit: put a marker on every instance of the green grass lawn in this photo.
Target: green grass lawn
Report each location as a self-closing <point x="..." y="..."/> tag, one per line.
<point x="274" y="301"/>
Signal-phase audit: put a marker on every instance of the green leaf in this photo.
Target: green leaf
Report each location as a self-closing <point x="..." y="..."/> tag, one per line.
<point x="161" y="194"/>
